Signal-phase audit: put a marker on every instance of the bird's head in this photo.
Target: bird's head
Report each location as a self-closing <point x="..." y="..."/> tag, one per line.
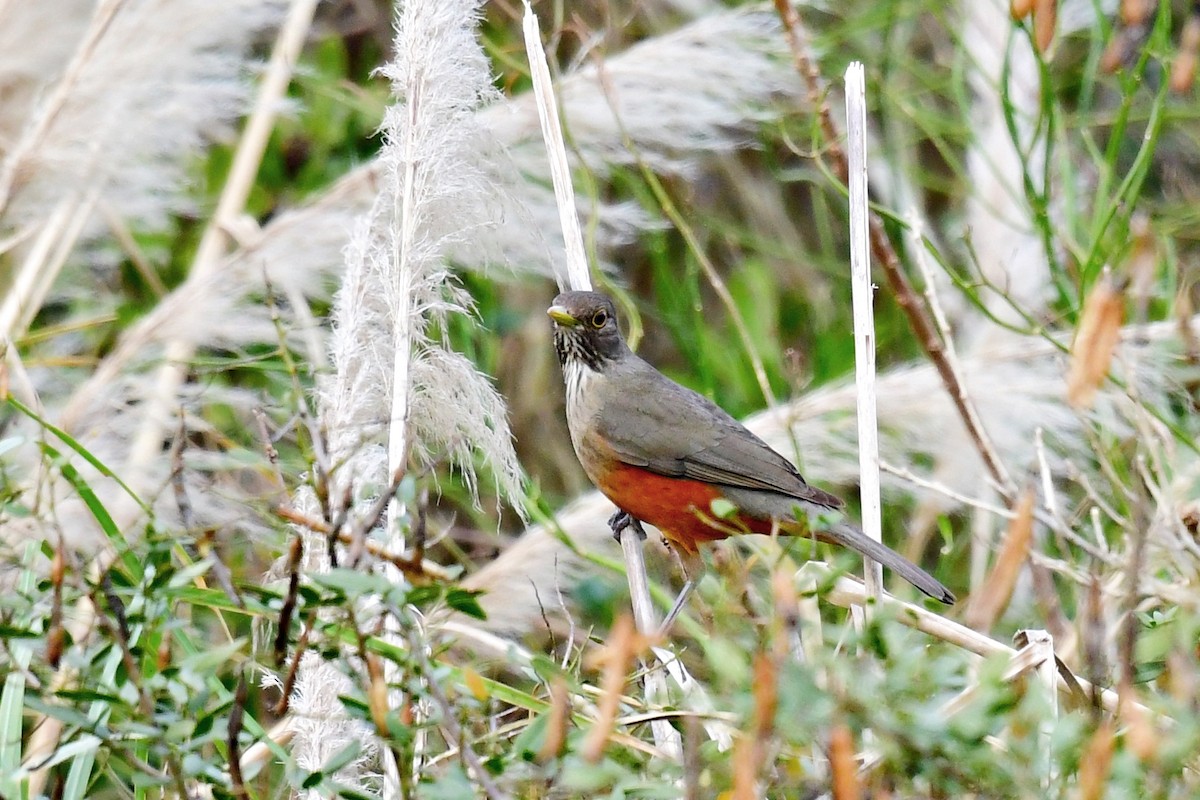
<point x="585" y="329"/>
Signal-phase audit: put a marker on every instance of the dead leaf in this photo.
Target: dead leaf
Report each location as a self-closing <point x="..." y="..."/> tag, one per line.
<point x="989" y="602"/>
<point x="1045" y="18"/>
<point x="615" y="658"/>
<point x="1183" y="71"/>
<point x="1095" y="342"/>
<point x="1020" y="9"/>
<point x="1096" y="763"/>
<point x="842" y="764"/>
<point x="556" y="725"/>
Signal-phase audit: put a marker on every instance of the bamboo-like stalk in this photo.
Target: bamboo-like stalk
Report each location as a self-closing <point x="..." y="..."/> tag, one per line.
<point x="666" y="738"/>
<point x="864" y="317"/>
<point x="578" y="275"/>
<point x="46" y="256"/>
<point x="1042" y="645"/>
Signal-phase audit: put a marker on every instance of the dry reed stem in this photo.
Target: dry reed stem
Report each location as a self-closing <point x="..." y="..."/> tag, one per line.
<point x="1031" y="655"/>
<point x="280" y="735"/>
<point x="1040" y="646"/>
<point x="989" y="602"/>
<point x="43" y="261"/>
<point x="846" y="593"/>
<point x="577" y="277"/>
<point x="616" y="659"/>
<point x="230" y="204"/>
<point x="864" y="318"/>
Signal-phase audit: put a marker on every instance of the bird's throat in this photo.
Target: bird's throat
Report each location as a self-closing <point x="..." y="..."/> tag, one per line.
<point x="577" y="375"/>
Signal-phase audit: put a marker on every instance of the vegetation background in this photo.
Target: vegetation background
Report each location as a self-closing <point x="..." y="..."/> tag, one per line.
<point x="192" y="417"/>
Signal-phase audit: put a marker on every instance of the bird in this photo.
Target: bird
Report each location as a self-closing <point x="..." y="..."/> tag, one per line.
<point x="668" y="456"/>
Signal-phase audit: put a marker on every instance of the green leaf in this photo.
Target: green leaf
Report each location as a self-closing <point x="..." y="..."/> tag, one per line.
<point x="529" y="742"/>
<point x="722" y="508"/>
<point x="353" y="583"/>
<point x="466" y="602"/>
<point x="207" y="661"/>
<point x="453" y="785"/>
<point x="83" y="452"/>
<point x="89" y="498"/>
<point x="186" y="576"/>
<point x="342" y="758"/>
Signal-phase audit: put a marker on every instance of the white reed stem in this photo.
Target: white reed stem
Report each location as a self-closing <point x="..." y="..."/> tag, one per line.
<point x="666" y="738"/>
<point x="578" y="276"/>
<point x="864" y="319"/>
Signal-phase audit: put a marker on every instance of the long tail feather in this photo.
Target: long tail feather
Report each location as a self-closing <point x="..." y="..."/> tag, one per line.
<point x="847" y="535"/>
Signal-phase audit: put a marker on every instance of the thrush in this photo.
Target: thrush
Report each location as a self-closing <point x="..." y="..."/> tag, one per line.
<point x="670" y="457"/>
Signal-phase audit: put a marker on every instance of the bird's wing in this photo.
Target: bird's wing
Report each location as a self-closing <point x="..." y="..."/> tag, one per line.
<point x="671" y="430"/>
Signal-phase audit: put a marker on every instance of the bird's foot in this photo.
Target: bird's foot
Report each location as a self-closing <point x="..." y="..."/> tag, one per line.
<point x="621" y="520"/>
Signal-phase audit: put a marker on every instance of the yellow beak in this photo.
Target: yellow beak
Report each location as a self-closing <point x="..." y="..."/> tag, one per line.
<point x="561" y="316"/>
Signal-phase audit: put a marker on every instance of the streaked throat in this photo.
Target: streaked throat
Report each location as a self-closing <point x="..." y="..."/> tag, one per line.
<point x="580" y="362"/>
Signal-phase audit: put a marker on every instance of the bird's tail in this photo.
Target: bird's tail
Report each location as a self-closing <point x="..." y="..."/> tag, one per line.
<point x="847" y="535"/>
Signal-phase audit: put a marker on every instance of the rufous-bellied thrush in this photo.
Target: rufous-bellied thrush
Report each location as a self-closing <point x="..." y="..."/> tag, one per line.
<point x="663" y="453"/>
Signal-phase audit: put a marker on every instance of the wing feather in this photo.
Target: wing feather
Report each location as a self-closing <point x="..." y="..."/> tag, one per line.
<point x="683" y="434"/>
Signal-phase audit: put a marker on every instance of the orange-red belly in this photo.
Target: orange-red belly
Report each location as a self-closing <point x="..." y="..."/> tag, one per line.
<point x="679" y="507"/>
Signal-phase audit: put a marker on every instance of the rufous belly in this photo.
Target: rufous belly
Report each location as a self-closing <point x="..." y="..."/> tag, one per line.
<point x="679" y="507"/>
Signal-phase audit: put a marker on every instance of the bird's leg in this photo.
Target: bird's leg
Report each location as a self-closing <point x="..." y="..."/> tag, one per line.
<point x="693" y="570"/>
<point x="620" y="520"/>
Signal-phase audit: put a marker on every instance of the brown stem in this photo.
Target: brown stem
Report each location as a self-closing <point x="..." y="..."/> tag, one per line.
<point x="238" y="785"/>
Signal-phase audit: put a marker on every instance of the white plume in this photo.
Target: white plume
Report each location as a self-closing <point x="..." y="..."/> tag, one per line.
<point x="708" y="85"/>
<point x="163" y="77"/>
<point x="394" y="375"/>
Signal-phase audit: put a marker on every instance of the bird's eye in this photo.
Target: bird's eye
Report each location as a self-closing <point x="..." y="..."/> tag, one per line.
<point x="599" y="319"/>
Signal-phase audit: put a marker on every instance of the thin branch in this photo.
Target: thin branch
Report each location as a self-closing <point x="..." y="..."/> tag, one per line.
<point x="883" y="252"/>
<point x="237" y="783"/>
